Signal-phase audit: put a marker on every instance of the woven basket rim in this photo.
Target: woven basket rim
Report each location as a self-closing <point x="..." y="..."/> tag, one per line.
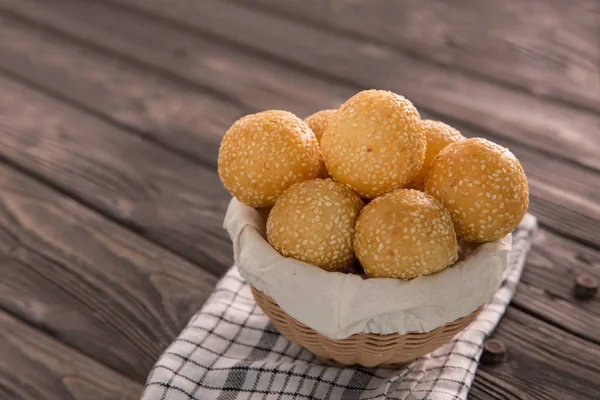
<point x="366" y="349"/>
<point x="378" y="336"/>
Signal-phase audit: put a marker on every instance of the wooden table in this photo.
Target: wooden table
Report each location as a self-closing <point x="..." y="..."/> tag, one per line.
<point x="111" y="113"/>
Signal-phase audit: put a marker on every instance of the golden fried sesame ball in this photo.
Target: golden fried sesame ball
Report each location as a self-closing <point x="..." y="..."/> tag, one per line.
<point x="405" y="234"/>
<point x="438" y="135"/>
<point x="263" y="154"/>
<point x="484" y="187"/>
<point x="374" y="143"/>
<point x="313" y="221"/>
<point x="318" y="122"/>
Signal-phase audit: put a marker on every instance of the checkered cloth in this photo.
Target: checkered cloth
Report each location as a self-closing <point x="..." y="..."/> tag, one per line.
<point x="230" y="350"/>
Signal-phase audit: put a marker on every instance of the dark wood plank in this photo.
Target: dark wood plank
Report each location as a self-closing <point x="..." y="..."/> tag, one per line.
<point x="89" y="282"/>
<point x="451" y="94"/>
<point x="36" y="204"/>
<point x="571" y="210"/>
<point x="25" y="40"/>
<point x="168" y="198"/>
<point x="580" y="186"/>
<point x="554" y="263"/>
<point x="170" y="112"/>
<point x="34" y="366"/>
<point x="543" y="363"/>
<point x="565" y="313"/>
<point x="172" y="51"/>
<point x="454" y="94"/>
<point x="546" y="47"/>
<point x="547" y="282"/>
<point x="546" y="287"/>
<point x="486" y="386"/>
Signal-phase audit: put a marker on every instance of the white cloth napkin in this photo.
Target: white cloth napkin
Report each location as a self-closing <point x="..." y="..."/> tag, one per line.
<point x="230" y="350"/>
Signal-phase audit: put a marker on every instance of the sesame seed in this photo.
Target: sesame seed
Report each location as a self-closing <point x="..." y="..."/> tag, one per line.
<point x="399" y="143"/>
<point x="467" y="206"/>
<point x="415" y="213"/>
<point x="319" y="240"/>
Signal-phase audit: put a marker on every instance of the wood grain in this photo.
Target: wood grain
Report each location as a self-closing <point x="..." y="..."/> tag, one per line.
<point x="168" y="198"/>
<point x="571" y="210"/>
<point x="546" y="287"/>
<point x="565" y="313"/>
<point x="127" y="72"/>
<point x="486" y="386"/>
<point x="34" y="366"/>
<point x="450" y="93"/>
<point x="202" y="61"/>
<point x="555" y="262"/>
<point x="90" y="283"/>
<point x="164" y="110"/>
<point x="501" y="111"/>
<point x="546" y="47"/>
<point x="35" y="204"/>
<point x="546" y="172"/>
<point x="157" y="43"/>
<point x="543" y="363"/>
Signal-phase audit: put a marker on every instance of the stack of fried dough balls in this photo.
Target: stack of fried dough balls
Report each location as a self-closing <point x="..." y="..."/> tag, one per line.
<point x="425" y="184"/>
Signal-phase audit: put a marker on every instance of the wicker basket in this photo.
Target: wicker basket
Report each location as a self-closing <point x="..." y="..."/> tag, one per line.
<point x="366" y="349"/>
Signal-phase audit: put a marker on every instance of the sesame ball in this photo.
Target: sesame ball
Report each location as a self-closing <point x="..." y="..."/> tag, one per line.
<point x="313" y="221"/>
<point x="484" y="187"/>
<point x="318" y="122"/>
<point x="405" y="234"/>
<point x="263" y="154"/>
<point x="438" y="135"/>
<point x="374" y="143"/>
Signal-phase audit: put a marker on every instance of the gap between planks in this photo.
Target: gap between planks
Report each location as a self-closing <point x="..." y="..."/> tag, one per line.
<point x="89" y="282"/>
<point x="540" y="166"/>
<point x="533" y="127"/>
<point x="34" y="366"/>
<point x="123" y="114"/>
<point x="519" y="53"/>
<point x="433" y="88"/>
<point x="64" y="113"/>
<point x="518" y="330"/>
<point x="543" y="362"/>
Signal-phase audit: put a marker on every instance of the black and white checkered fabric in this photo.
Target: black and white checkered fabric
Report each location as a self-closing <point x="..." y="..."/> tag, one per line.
<point x="230" y="350"/>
